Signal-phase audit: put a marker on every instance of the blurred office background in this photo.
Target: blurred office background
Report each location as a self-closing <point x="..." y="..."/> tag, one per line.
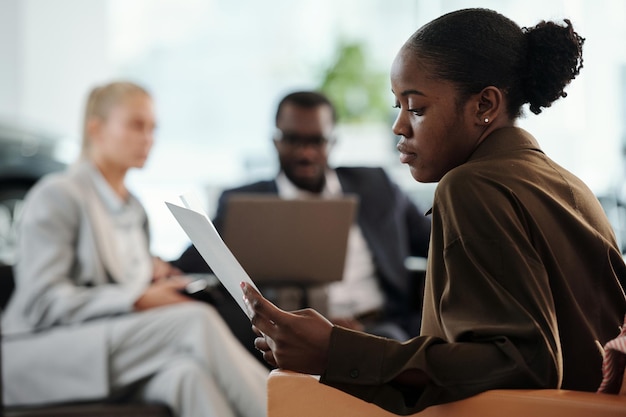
<point x="217" y="68"/>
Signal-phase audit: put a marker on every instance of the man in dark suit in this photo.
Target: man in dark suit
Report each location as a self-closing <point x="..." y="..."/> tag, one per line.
<point x="377" y="294"/>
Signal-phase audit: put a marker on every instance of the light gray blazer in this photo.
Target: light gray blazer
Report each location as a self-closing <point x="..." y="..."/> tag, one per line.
<point x="65" y="278"/>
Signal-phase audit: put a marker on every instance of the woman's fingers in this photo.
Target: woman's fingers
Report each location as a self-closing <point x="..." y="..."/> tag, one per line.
<point x="265" y="315"/>
<point x="261" y="344"/>
<point x="176" y="283"/>
<point x="268" y="356"/>
<point x="297" y="341"/>
<point x="256" y="331"/>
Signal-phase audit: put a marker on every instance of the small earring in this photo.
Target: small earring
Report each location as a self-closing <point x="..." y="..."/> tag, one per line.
<point x="486" y="120"/>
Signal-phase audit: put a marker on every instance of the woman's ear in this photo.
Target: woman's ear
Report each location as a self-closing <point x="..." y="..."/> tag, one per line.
<point x="93" y="128"/>
<point x="489" y="106"/>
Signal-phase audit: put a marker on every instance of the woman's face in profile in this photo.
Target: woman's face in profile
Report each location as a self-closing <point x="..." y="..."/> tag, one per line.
<point x="437" y="133"/>
<point x="127" y="134"/>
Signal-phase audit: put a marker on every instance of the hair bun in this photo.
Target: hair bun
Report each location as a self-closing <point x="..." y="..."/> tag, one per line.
<point x="554" y="59"/>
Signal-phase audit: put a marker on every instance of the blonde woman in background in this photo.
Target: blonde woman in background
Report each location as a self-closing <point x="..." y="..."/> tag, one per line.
<point x="96" y="316"/>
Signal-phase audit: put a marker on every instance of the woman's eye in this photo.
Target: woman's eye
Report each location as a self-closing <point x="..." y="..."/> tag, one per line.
<point x="135" y="125"/>
<point x="417" y="112"/>
<point x="396" y="106"/>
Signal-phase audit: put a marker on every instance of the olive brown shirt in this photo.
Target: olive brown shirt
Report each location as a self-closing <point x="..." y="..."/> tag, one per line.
<point x="522" y="287"/>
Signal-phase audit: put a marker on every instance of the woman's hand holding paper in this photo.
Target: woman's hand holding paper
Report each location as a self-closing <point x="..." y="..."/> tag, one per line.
<point x="296" y="341"/>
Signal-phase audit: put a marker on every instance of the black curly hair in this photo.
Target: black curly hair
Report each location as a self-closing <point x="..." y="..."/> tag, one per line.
<point x="477" y="48"/>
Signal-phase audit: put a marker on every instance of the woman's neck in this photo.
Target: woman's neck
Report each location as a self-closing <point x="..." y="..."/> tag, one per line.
<point x="114" y="176"/>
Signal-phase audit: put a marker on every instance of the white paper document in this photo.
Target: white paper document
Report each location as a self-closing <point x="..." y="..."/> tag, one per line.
<point x="209" y="243"/>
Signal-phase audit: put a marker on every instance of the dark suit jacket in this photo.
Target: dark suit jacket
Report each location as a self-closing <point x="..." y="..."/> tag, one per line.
<point x="392" y="225"/>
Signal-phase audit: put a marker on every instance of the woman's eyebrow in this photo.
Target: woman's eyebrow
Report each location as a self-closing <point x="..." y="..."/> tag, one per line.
<point x="409" y="92"/>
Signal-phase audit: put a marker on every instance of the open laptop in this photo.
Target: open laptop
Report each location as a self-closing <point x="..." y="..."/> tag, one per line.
<point x="296" y="241"/>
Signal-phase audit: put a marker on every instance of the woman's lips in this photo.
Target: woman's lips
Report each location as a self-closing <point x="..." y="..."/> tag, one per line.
<point x="406" y="157"/>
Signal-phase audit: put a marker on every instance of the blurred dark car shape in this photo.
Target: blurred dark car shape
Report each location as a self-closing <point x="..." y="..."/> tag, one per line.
<point x="25" y="156"/>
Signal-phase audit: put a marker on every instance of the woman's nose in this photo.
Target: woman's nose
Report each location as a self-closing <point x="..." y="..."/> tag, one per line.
<point x="398" y="127"/>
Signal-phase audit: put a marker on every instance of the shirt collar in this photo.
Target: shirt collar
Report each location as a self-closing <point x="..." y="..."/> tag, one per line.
<point x="112" y="201"/>
<point x="504" y="140"/>
<point x="500" y="141"/>
<point x="288" y="190"/>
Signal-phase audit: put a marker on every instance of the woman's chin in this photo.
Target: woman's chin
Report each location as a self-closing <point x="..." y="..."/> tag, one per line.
<point x="140" y="163"/>
<point x="422" y="176"/>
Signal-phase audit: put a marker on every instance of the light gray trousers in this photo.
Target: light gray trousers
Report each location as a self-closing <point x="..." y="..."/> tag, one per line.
<point x="190" y="361"/>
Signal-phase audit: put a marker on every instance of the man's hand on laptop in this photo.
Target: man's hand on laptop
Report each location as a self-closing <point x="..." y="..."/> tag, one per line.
<point x="296" y="341"/>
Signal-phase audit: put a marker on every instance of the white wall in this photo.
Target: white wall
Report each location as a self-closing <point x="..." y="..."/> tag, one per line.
<point x="52" y="53"/>
<point x="216" y="68"/>
<point x="9" y="58"/>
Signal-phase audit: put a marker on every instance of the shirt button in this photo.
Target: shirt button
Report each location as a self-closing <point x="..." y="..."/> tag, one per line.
<point x="354" y="373"/>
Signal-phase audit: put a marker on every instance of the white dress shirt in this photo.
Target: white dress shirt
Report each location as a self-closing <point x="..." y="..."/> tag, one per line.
<point x="359" y="291"/>
<point x="130" y="241"/>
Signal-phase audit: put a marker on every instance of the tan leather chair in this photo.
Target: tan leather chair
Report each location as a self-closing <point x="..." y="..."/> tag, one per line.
<point x="292" y="394"/>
